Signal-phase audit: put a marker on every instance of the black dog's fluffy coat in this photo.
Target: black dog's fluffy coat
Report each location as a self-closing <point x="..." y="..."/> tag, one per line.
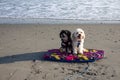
<point x="66" y="46"/>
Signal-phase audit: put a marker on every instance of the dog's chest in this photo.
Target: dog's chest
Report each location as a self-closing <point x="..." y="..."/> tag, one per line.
<point x="66" y="44"/>
<point x="77" y="44"/>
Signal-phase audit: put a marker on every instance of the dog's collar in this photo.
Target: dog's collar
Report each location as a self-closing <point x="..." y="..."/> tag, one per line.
<point x="78" y="43"/>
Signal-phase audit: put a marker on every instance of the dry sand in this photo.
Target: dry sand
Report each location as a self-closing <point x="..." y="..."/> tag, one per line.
<point x="22" y="47"/>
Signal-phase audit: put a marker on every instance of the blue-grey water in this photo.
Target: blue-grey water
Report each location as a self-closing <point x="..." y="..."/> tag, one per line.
<point x="61" y="9"/>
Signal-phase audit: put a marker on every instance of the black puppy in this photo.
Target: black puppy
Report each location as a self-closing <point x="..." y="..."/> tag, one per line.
<point x="66" y="41"/>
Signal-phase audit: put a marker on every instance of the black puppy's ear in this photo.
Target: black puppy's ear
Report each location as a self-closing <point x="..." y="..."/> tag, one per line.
<point x="73" y="36"/>
<point x="62" y="31"/>
<point x="69" y="33"/>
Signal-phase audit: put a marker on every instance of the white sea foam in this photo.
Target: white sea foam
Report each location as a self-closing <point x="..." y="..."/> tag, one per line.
<point x="61" y="9"/>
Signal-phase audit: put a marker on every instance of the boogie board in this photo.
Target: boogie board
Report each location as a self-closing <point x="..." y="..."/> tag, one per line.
<point x="89" y="55"/>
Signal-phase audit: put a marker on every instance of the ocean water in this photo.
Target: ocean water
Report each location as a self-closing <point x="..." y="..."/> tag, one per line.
<point x="61" y="9"/>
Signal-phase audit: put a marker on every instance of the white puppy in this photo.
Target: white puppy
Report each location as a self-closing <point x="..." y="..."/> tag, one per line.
<point x="78" y="41"/>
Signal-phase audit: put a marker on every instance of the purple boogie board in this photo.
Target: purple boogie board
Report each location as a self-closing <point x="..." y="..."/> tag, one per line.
<point x="90" y="55"/>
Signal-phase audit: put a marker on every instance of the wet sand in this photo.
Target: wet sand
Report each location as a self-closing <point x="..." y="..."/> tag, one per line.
<point x="22" y="47"/>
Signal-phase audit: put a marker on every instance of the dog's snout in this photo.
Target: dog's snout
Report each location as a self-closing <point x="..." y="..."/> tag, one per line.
<point x="79" y="35"/>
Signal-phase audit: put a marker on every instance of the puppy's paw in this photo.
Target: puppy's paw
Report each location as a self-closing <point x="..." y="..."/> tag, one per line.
<point x="62" y="49"/>
<point x="75" y="52"/>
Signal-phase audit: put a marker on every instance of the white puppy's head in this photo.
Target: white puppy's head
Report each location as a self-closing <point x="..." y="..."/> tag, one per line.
<point x="78" y="34"/>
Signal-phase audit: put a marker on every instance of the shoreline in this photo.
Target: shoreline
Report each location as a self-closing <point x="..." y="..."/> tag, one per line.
<point x="54" y="21"/>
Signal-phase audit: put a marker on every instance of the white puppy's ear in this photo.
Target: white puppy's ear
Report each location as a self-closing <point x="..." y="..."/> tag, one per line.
<point x="73" y="36"/>
<point x="83" y="37"/>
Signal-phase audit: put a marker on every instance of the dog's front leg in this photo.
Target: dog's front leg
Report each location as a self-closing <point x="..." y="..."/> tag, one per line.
<point x="75" y="50"/>
<point x="80" y="50"/>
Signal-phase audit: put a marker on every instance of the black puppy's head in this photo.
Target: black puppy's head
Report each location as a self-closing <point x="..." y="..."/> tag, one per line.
<point x="65" y="35"/>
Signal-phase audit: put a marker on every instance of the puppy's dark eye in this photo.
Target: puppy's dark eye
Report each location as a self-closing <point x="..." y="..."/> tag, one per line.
<point x="76" y="32"/>
<point x="63" y="36"/>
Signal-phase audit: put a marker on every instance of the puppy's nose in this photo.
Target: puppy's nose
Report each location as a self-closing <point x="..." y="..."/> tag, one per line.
<point x="79" y="35"/>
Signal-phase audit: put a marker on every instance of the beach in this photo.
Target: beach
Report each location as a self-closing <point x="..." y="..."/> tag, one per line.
<point x="23" y="45"/>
